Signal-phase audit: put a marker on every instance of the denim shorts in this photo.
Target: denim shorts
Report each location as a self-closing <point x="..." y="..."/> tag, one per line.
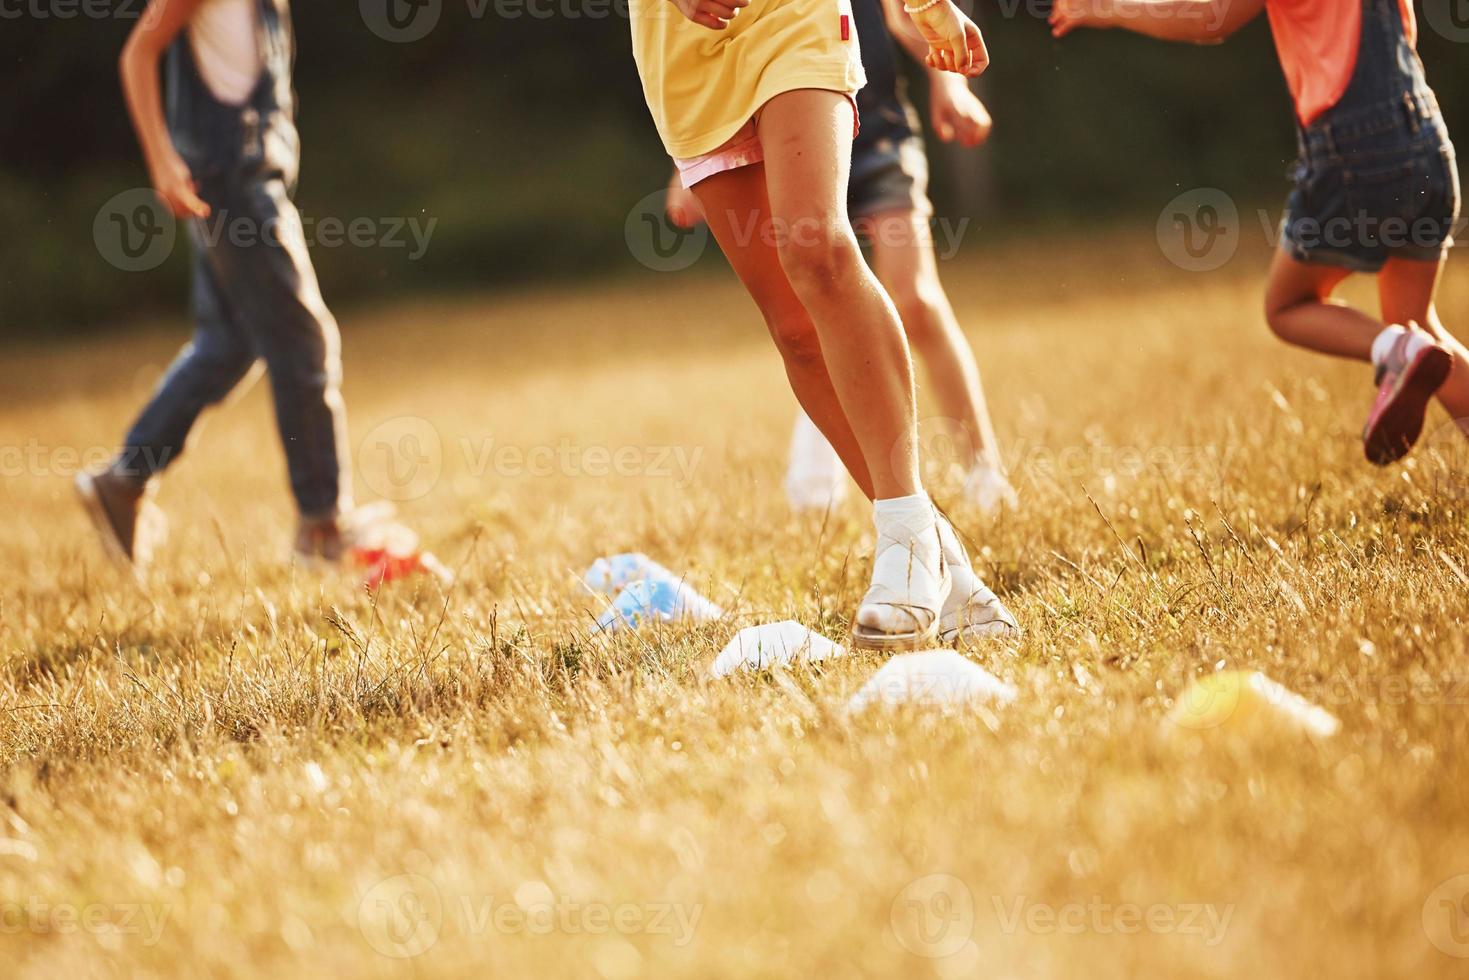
<point x="1374" y="184"/>
<point x="889" y="175"/>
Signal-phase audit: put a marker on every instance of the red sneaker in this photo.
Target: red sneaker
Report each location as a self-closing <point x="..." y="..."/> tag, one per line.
<point x="1405" y="384"/>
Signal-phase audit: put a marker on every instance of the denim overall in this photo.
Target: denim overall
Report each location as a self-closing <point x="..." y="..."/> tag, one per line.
<point x="255" y="295"/>
<point x="1377" y="177"/>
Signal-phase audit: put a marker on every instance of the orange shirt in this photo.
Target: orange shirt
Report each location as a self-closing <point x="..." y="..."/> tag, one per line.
<point x="1317" y="44"/>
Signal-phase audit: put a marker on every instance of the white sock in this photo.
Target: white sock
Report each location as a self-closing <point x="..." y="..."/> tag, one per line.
<point x="914" y="509"/>
<point x="907" y="567"/>
<point x="1384" y="342"/>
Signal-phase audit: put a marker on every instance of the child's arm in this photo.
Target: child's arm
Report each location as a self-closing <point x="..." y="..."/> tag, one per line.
<point x="954" y="42"/>
<point x="1196" y="21"/>
<point x="155" y="31"/>
<point x="956" y="112"/>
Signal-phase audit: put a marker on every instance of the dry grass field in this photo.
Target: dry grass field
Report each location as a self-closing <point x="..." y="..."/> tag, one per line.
<point x="252" y="769"/>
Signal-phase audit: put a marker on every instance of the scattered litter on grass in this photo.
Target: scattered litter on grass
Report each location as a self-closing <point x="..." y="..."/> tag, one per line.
<point x="1239" y="699"/>
<point x="614" y="573"/>
<point x="934" y="678"/>
<point x="774" y="645"/>
<point x="656" y="600"/>
<point x="387" y="550"/>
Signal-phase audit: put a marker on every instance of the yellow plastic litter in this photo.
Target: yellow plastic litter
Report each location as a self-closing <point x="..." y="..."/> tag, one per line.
<point x="1237" y="699"/>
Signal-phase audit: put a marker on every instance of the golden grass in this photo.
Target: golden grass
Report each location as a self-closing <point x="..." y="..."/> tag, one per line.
<point x="228" y="768"/>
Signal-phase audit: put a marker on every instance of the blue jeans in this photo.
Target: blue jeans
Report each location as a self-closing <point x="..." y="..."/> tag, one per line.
<point x="255" y="298"/>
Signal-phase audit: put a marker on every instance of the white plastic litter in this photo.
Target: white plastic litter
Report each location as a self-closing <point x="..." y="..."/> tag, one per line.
<point x="614" y="573"/>
<point x="815" y="479"/>
<point x="774" y="645"/>
<point x="662" y="600"/>
<point x="934" y="678"/>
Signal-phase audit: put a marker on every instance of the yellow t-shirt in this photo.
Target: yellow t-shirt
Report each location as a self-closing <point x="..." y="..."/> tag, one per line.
<point x="703" y="85"/>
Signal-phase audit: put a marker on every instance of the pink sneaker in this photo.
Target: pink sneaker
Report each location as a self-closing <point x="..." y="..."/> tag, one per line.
<point x="1405" y="385"/>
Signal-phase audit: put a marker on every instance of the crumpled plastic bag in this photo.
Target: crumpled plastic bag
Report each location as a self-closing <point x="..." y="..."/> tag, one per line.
<point x="934" y="678"/>
<point x="656" y="600"/>
<point x="774" y="645"/>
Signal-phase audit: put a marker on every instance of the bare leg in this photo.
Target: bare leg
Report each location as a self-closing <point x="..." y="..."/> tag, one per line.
<point x="807" y="135"/>
<point x="1406" y="289"/>
<point x="737" y="210"/>
<point x="902" y="254"/>
<point x="1300" y="310"/>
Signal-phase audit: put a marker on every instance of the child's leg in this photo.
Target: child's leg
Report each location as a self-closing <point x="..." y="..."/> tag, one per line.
<point x="205" y="372"/>
<point x="1300" y="310"/>
<point x="733" y="202"/>
<point x="735" y="205"/>
<point x="807" y="137"/>
<point x="903" y="258"/>
<point x="1406" y="289"/>
<point x="271" y="289"/>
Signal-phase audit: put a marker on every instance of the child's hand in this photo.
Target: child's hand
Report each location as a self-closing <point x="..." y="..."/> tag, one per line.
<point x="954" y="42"/>
<point x="1068" y="15"/>
<point x="681" y="206"/>
<point x="957" y="113"/>
<point x="713" y="14"/>
<point x="174" y="185"/>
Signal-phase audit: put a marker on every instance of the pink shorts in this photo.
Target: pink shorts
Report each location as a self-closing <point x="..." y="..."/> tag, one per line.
<point x="740" y="150"/>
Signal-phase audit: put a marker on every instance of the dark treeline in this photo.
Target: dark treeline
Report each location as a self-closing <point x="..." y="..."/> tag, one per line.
<point x="516" y="132"/>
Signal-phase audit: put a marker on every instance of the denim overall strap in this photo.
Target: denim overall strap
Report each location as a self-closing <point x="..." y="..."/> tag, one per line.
<point x="1388" y="91"/>
<point x="214" y="137"/>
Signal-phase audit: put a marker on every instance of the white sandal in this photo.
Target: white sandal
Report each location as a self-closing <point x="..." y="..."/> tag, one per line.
<point x="973" y="611"/>
<point x="910" y="585"/>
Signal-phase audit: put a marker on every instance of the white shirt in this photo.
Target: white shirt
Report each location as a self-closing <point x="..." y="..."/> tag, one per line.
<point x="223" y="36"/>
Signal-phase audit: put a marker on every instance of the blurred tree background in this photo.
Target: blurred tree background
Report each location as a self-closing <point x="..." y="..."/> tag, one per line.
<point x="519" y="126"/>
